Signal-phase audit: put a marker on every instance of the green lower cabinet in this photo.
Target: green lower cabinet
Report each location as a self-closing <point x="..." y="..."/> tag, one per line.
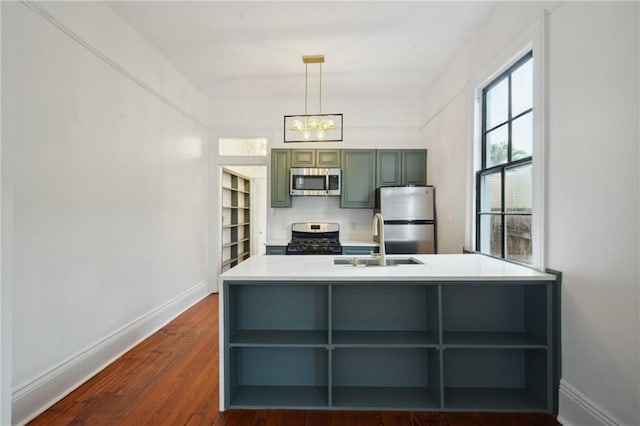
<point x="359" y="250"/>
<point x="358" y="178"/>
<point x="280" y="196"/>
<point x="276" y="250"/>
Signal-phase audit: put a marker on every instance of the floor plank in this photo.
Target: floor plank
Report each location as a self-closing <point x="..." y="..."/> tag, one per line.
<point x="171" y="378"/>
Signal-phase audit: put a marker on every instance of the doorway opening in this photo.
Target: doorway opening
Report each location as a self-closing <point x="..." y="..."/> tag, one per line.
<point x="243" y="199"/>
<point x="243" y="213"/>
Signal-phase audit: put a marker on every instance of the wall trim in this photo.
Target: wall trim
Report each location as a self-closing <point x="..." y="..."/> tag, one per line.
<point x="113" y="64"/>
<point x="437" y="113"/>
<point x="577" y="409"/>
<point x="33" y="397"/>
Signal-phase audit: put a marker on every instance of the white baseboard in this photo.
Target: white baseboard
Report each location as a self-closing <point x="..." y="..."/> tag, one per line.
<point x="35" y="396"/>
<point x="576" y="409"/>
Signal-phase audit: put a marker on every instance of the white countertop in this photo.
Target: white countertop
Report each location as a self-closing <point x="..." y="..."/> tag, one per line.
<point x="435" y="267"/>
<point x="343" y="242"/>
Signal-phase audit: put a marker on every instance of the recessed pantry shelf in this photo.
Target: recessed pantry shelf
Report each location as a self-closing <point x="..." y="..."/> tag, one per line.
<point x="236" y="190"/>
<point x="236" y="213"/>
<point x="236" y="207"/>
<point x="234" y="225"/>
<point x="234" y="243"/>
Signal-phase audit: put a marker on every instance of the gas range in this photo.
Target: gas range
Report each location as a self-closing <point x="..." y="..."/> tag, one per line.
<point x="314" y="238"/>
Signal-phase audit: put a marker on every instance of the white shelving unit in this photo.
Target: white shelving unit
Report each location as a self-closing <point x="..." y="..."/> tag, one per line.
<point x="236" y="219"/>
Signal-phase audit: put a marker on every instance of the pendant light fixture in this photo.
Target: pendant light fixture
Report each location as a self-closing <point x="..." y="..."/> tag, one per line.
<point x="313" y="127"/>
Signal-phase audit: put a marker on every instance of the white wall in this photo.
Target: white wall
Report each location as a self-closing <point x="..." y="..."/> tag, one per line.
<point x="592" y="195"/>
<point x="259" y="214"/>
<point x="8" y="133"/>
<point x="593" y="165"/>
<point x="355" y="224"/>
<point x="445" y="138"/>
<point x="231" y="116"/>
<point x="110" y="205"/>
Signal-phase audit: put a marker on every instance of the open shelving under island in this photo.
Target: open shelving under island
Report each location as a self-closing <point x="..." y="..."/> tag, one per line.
<point x="457" y="332"/>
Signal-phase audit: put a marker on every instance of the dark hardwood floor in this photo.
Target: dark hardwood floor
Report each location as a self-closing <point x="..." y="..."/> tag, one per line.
<point x="171" y="378"/>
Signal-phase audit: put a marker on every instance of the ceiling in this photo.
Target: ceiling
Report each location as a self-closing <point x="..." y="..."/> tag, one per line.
<point x="252" y="50"/>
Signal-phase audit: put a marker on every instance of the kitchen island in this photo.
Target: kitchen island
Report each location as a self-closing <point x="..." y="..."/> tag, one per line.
<point x="454" y="332"/>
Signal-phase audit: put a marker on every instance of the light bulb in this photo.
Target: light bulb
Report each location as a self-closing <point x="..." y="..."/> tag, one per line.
<point x="313" y="122"/>
<point x="320" y="134"/>
<point x="306" y="134"/>
<point x="297" y="125"/>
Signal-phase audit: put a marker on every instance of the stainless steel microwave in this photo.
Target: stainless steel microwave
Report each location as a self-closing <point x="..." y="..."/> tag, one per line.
<point x="315" y="181"/>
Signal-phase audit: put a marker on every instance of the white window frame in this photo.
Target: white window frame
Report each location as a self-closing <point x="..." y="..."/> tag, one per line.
<point x="534" y="39"/>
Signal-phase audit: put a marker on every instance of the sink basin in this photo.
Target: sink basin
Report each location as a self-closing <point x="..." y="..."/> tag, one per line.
<point x="370" y="261"/>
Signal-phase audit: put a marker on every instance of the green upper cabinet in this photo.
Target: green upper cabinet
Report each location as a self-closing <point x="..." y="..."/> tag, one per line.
<point x="280" y="196"/>
<point x="363" y="170"/>
<point x="315" y="158"/>
<point x="327" y="157"/>
<point x="303" y="158"/>
<point x="401" y="167"/>
<point x="358" y="178"/>
<point x="389" y="167"/>
<point x="414" y="167"/>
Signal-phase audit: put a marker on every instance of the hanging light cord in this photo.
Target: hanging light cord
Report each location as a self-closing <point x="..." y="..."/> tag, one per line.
<point x="306" y="67"/>
<point x="306" y="84"/>
<point x="320" y="101"/>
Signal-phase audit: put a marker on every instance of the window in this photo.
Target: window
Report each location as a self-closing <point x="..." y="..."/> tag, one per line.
<point x="242" y="146"/>
<point x="504" y="184"/>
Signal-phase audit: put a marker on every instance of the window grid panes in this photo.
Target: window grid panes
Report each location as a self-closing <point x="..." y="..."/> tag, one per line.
<point x="505" y="181"/>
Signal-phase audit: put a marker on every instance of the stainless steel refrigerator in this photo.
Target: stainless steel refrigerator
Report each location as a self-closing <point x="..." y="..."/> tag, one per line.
<point x="409" y="218"/>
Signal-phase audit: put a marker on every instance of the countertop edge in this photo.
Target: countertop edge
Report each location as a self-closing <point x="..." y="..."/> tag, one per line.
<point x="432" y="268"/>
<point x="369" y="279"/>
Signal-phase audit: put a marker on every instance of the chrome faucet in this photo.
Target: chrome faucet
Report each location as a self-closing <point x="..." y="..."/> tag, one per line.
<point x="378" y="231"/>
